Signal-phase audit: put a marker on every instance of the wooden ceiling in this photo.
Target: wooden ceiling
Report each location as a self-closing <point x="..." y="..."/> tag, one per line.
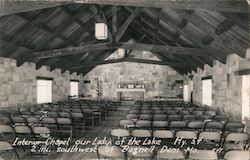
<point x="184" y="34"/>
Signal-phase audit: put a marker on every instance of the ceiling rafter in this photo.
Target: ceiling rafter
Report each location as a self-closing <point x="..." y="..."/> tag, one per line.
<point x="234" y="17"/>
<point x="114" y="21"/>
<point x="214" y="36"/>
<point x="59" y="63"/>
<point x="35" y="60"/>
<point x="156" y="27"/>
<point x="74" y="17"/>
<point x="21" y="59"/>
<point x="99" y="57"/>
<point x="59" y="29"/>
<point x="193" y="38"/>
<point x="88" y="25"/>
<point x="124" y="45"/>
<point x="239" y="6"/>
<point x="223" y="27"/>
<point x="8" y="7"/>
<point x="181" y="23"/>
<point x="163" y="33"/>
<point x="146" y="40"/>
<point x="96" y="56"/>
<point x="127" y="23"/>
<point x="83" y="27"/>
<point x="160" y="30"/>
<point x="149" y="31"/>
<point x="43" y="62"/>
<point x="21" y="32"/>
<point x="18" y="42"/>
<point x="43" y="26"/>
<point x="168" y="35"/>
<point x="88" y="39"/>
<point x="72" y="59"/>
<point x="144" y="24"/>
<point x="163" y="57"/>
<point x="194" y="64"/>
<point x="95" y="63"/>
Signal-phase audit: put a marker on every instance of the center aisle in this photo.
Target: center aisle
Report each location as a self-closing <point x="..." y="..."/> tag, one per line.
<point x="100" y="131"/>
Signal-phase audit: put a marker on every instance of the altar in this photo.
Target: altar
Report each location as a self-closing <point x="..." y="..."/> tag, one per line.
<point x="130" y="92"/>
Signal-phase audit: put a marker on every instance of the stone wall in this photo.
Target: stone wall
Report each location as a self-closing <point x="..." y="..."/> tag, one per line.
<point x="226" y="84"/>
<point x="18" y="84"/>
<point x="158" y="79"/>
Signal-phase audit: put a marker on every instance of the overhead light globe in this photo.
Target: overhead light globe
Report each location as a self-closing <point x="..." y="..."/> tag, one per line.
<point x="101" y="31"/>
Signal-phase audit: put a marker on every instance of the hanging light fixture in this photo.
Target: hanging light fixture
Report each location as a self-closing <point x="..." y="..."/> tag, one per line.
<point x="101" y="28"/>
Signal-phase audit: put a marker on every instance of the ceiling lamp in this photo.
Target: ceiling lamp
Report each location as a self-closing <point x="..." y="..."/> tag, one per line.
<point x="101" y="28"/>
<point x="101" y="31"/>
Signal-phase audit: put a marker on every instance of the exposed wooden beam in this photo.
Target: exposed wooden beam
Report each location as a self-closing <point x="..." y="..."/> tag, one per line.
<point x="40" y="63"/>
<point x="21" y="59"/>
<point x="141" y="36"/>
<point x="87" y="27"/>
<point x="156" y="27"/>
<point x="149" y="31"/>
<point x="95" y="63"/>
<point x="242" y="23"/>
<point x="79" y="36"/>
<point x="59" y="63"/>
<point x="73" y="59"/>
<point x="72" y="50"/>
<point x="124" y="27"/>
<point x="239" y="6"/>
<point x="162" y="29"/>
<point x="60" y="60"/>
<point x="12" y="7"/>
<point x="124" y="45"/>
<point x="114" y="21"/>
<point x="188" y="59"/>
<point x="162" y="48"/>
<point x="79" y="33"/>
<point x="165" y="57"/>
<point x="74" y="17"/>
<point x="76" y="60"/>
<point x="43" y="26"/>
<point x="224" y="26"/>
<point x="145" y="27"/>
<point x="150" y="24"/>
<point x="192" y="63"/>
<point x="192" y="37"/>
<point x="17" y="42"/>
<point x="21" y="32"/>
<point x="101" y="56"/>
<point x="215" y="35"/>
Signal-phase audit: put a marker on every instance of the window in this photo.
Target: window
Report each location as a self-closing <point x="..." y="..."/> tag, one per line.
<point x="207" y="92"/>
<point x="86" y="81"/>
<point x="74" y="89"/>
<point x="186" y="96"/>
<point x="245" y="96"/>
<point x="44" y="91"/>
<point x="191" y="85"/>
